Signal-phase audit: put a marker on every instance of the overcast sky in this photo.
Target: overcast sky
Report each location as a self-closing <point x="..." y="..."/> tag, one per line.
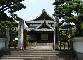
<point x="34" y="8"/>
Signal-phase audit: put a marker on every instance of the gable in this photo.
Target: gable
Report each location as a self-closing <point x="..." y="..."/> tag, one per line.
<point x="44" y="25"/>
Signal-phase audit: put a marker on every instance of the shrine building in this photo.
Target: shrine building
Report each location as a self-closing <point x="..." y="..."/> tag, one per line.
<point x="41" y="29"/>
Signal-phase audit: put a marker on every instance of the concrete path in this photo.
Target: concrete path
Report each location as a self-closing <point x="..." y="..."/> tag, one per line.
<point x="41" y="48"/>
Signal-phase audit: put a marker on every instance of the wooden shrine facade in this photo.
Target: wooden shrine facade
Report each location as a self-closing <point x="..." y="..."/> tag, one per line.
<point x="41" y="29"/>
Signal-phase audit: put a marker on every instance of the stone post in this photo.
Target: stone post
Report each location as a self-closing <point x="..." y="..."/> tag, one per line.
<point x="56" y="33"/>
<point x="8" y="37"/>
<point x="20" y="34"/>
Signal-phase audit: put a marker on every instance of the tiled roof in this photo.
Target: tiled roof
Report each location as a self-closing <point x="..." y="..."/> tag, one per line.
<point x="40" y="21"/>
<point x="43" y="29"/>
<point x="43" y="16"/>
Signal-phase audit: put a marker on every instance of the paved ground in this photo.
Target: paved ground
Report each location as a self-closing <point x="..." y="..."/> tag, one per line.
<point x="40" y="48"/>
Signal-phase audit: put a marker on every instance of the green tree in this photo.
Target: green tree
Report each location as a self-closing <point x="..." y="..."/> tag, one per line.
<point x="65" y="9"/>
<point x="9" y="7"/>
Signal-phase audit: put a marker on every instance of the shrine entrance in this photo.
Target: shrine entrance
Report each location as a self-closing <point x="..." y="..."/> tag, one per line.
<point x="41" y="40"/>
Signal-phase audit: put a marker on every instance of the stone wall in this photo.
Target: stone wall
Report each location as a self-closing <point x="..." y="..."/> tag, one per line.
<point x="2" y="43"/>
<point x="79" y="56"/>
<point x="78" y="47"/>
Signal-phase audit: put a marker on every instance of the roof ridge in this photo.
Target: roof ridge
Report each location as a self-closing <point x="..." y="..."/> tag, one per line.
<point x="43" y="16"/>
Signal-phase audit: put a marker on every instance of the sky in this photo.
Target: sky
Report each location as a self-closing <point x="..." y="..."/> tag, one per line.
<point x="34" y="8"/>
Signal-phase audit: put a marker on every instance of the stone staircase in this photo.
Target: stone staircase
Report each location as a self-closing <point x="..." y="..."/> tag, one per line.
<point x="35" y="55"/>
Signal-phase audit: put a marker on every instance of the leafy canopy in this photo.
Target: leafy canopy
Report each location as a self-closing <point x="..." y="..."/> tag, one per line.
<point x="10" y="6"/>
<point x="65" y="9"/>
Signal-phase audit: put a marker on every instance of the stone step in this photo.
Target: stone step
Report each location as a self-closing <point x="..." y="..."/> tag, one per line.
<point x="11" y="59"/>
<point x="28" y="56"/>
<point x="33" y="53"/>
<point x="32" y="58"/>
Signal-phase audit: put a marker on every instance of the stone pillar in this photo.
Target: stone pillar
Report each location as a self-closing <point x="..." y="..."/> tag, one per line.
<point x="56" y="32"/>
<point x="54" y="35"/>
<point x="20" y="34"/>
<point x="8" y="37"/>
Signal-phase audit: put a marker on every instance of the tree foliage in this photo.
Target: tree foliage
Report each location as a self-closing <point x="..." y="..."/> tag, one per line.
<point x="66" y="8"/>
<point x="9" y="6"/>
